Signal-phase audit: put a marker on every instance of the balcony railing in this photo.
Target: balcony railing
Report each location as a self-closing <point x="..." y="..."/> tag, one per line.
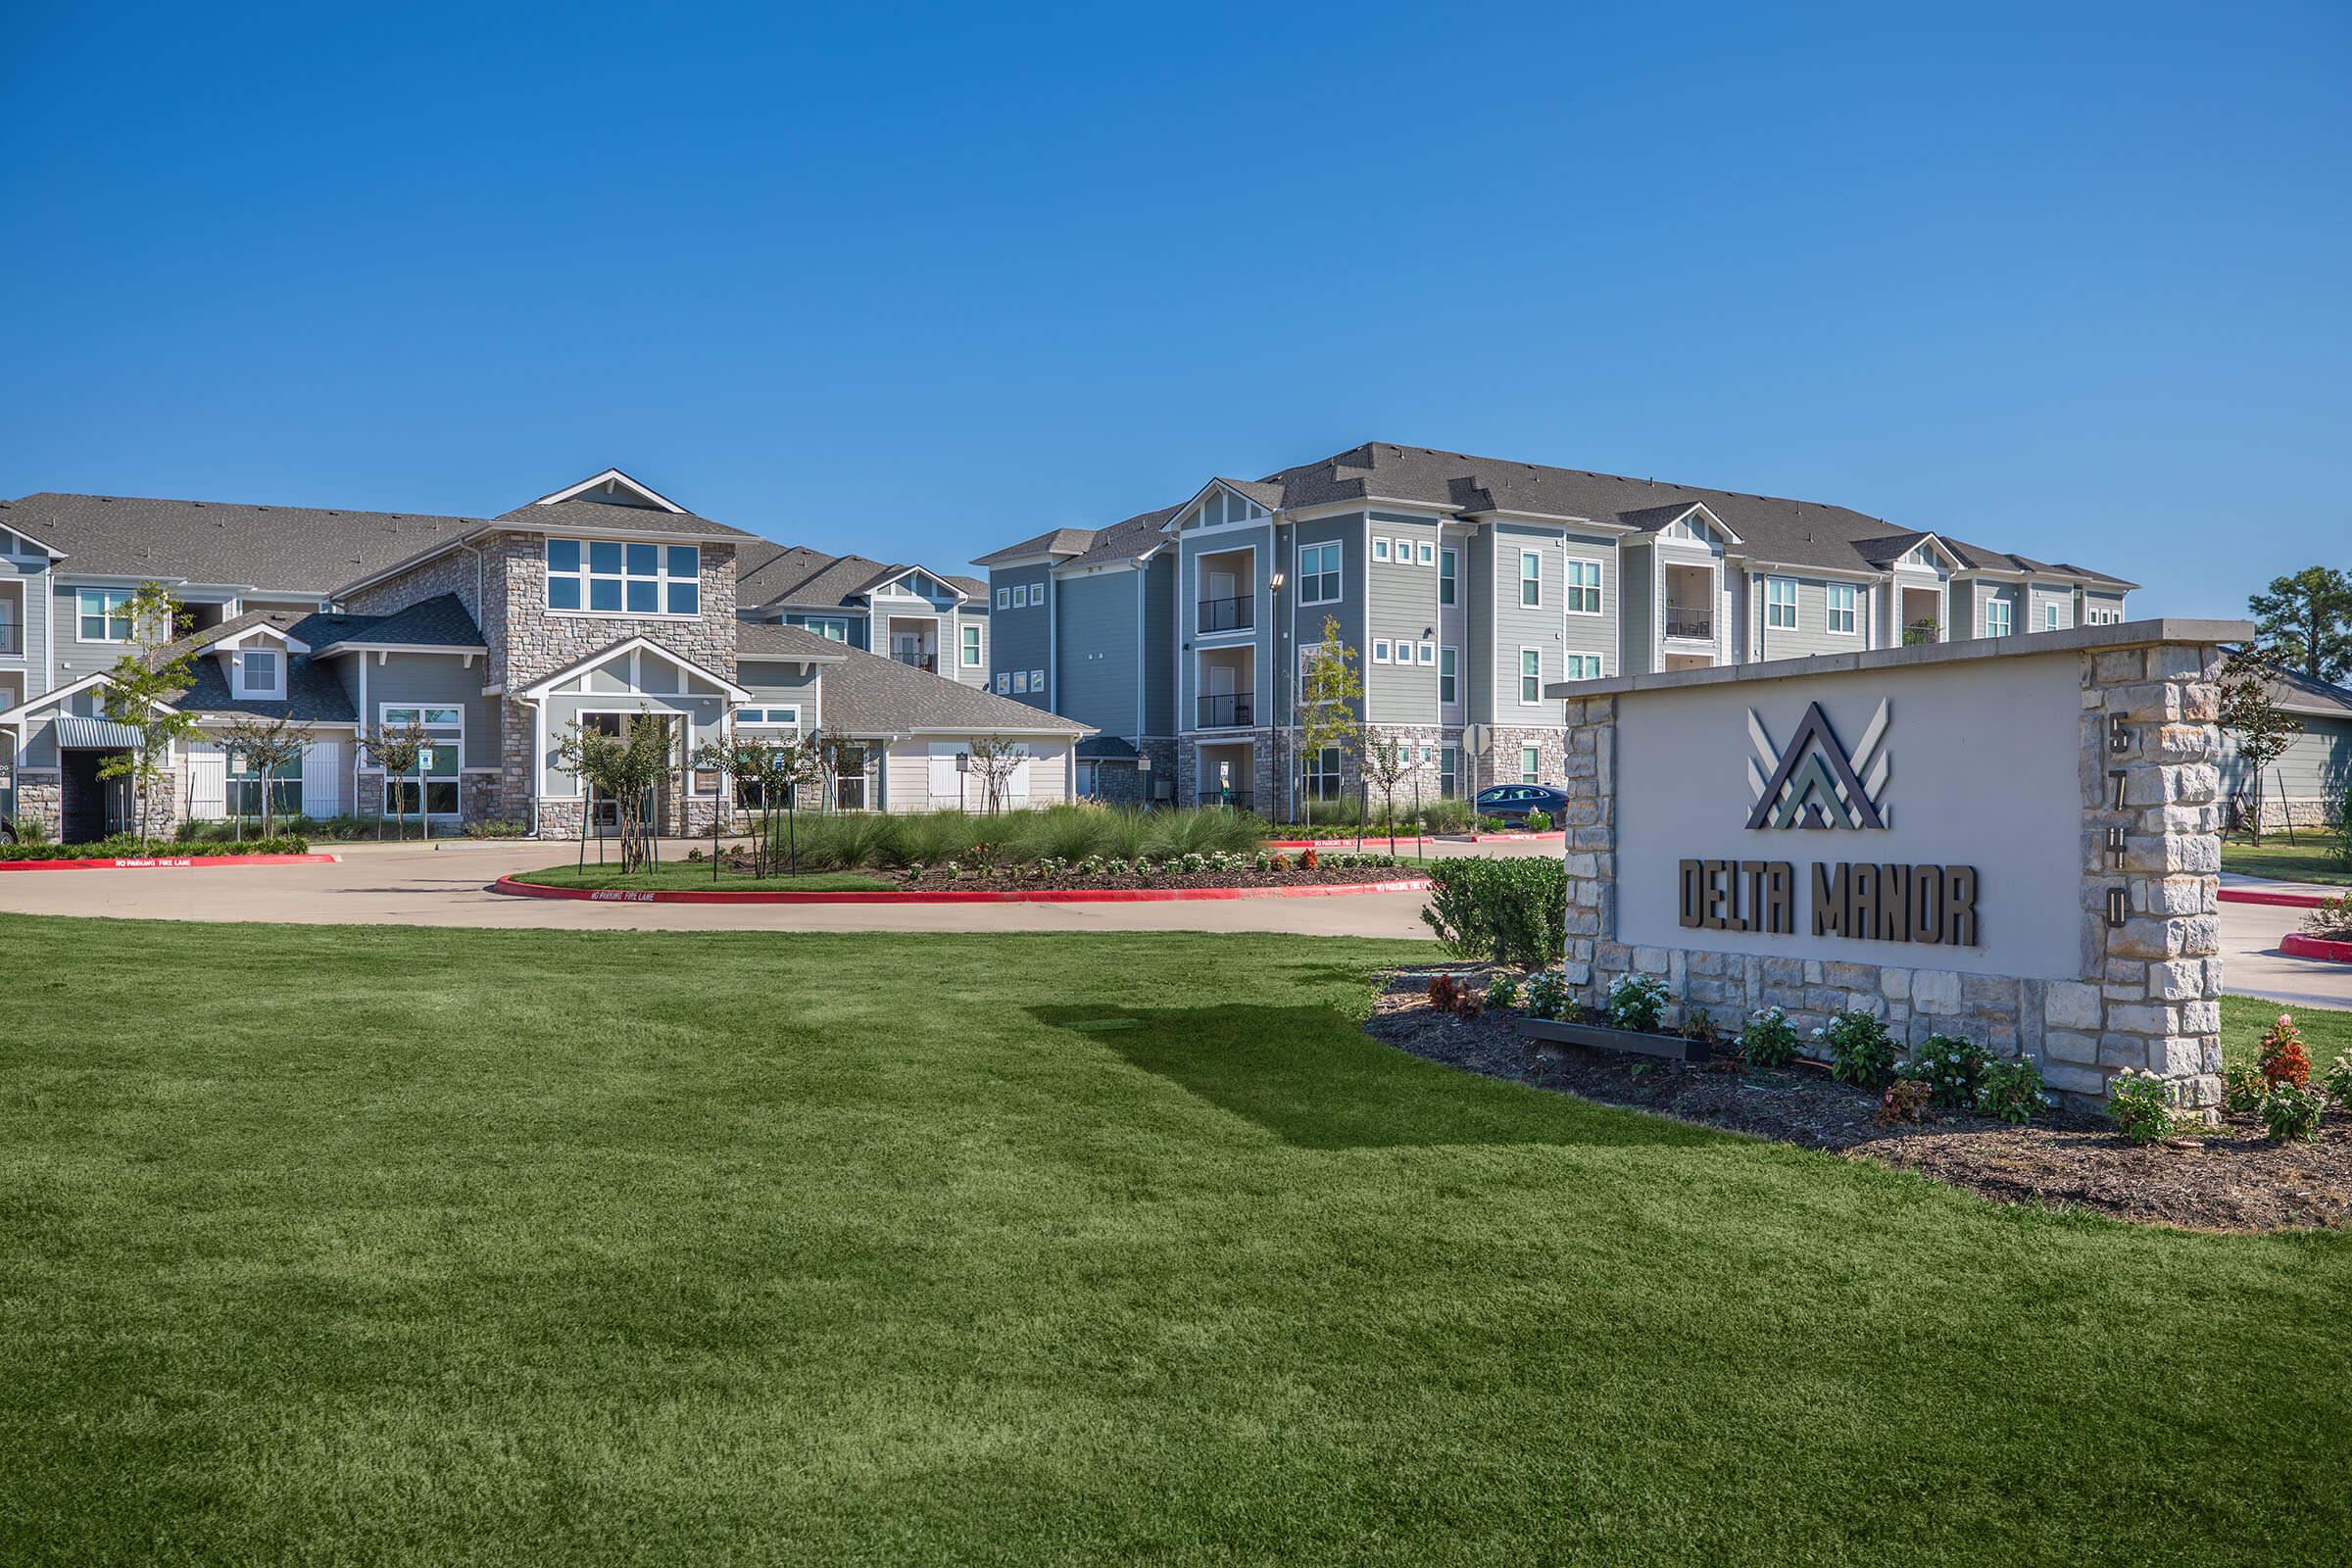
<point x="1228" y="710"/>
<point x="1693" y="624"/>
<point x="12" y="639"/>
<point x="1227" y="614"/>
<point x="923" y="662"/>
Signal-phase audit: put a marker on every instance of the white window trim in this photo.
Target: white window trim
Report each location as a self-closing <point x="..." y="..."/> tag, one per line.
<point x="1520" y="677"/>
<point x="1456" y="701"/>
<point x="1425" y="553"/>
<point x="2008" y="617"/>
<point x="663" y="580"/>
<point x="108" y="599"/>
<point x="435" y="733"/>
<point x="1531" y="775"/>
<point x="1526" y="556"/>
<point x="1380" y="650"/>
<point x="1572" y="664"/>
<point x="1795" y="617"/>
<point x="1449" y="579"/>
<point x="1340" y="572"/>
<point x="240" y="686"/>
<point x="1004" y="599"/>
<point x="1576" y="590"/>
<point x="1020" y="596"/>
<point x="1429" y="653"/>
<point x="1853" y="610"/>
<point x="971" y="647"/>
<point x="1380" y="548"/>
<point x="1036" y="682"/>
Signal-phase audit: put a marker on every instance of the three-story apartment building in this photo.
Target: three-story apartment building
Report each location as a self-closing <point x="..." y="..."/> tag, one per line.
<point x="1466" y="586"/>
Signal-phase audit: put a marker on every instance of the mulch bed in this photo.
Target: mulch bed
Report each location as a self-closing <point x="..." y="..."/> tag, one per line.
<point x="973" y="881"/>
<point x="2232" y="1178"/>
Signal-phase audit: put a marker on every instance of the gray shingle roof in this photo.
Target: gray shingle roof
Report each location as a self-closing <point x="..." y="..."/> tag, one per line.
<point x="811" y="579"/>
<point x="866" y="694"/>
<point x="769" y="639"/>
<point x="437" y="623"/>
<point x="555" y="517"/>
<point x="313" y="692"/>
<point x="304" y="549"/>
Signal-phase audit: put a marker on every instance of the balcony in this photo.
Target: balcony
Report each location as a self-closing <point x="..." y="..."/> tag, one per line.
<point x="1695" y="625"/>
<point x="926" y="663"/>
<point x="1226" y="615"/>
<point x="1226" y="710"/>
<point x="12" y="639"/>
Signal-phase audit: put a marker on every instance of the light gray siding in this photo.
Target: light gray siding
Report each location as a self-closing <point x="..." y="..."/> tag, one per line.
<point x="440" y="680"/>
<point x="1306" y="621"/>
<point x="974" y="675"/>
<point x="1589" y="633"/>
<point x="778" y="681"/>
<point x="1478" y="653"/>
<point x="1983" y="594"/>
<point x="1812" y="634"/>
<point x="24" y="586"/>
<point x="1099" y="652"/>
<point x="1402" y="598"/>
<point x="2314" y="766"/>
<point x="1639" y="565"/>
<point x="1518" y="627"/>
<point x="2048" y="597"/>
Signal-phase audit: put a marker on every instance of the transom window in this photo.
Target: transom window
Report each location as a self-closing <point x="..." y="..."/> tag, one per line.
<point x="767" y="717"/>
<point x="437" y="766"/>
<point x="1842" y="608"/>
<point x="971" y="648"/>
<point x="1530" y="578"/>
<point x="1998" y="617"/>
<point x="1530" y="675"/>
<point x="1583" y="586"/>
<point x="106" y="615"/>
<point x="1449" y="566"/>
<point x="1780" y="603"/>
<point x="610" y="577"/>
<point x="1319" y="573"/>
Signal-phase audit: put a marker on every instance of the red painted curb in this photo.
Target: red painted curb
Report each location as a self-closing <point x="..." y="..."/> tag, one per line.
<point x="2284" y="900"/>
<point x="2296" y="945"/>
<point x="537" y="890"/>
<point x="1347" y="842"/>
<point x="166" y="863"/>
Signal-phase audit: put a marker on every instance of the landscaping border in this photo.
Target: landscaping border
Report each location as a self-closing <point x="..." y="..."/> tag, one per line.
<point x="167" y="862"/>
<point x="2296" y="945"/>
<point x="539" y="889"/>
<point x="2284" y="900"/>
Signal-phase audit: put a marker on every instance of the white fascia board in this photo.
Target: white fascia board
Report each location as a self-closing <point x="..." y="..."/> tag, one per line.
<point x="1556" y="519"/>
<point x="57" y="694"/>
<point x="965" y="731"/>
<point x="609" y="476"/>
<point x="634" y="645"/>
<point x="293" y="645"/>
<point x="100" y="579"/>
<point x="355" y="646"/>
<point x="909" y="571"/>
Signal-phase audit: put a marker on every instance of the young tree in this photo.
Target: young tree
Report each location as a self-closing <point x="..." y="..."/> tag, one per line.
<point x="625" y="769"/>
<point x="140" y="692"/>
<point x="838" y="755"/>
<point x="1329" y="689"/>
<point x="1387" y="764"/>
<point x="2307" y="619"/>
<point x="994" y="761"/>
<point x="399" y="751"/>
<point x="2263" y="729"/>
<point x="266" y="746"/>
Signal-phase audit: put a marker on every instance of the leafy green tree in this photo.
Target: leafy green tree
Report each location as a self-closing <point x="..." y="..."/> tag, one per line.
<point x="399" y="751"/>
<point x="625" y="769"/>
<point x="2308" y="619"/>
<point x="1388" y="762"/>
<point x="2251" y="713"/>
<point x="139" y="693"/>
<point x="266" y="747"/>
<point x="1330" y="689"/>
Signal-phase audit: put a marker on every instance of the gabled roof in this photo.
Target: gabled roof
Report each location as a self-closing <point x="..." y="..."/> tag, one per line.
<point x="868" y="695"/>
<point x="613" y="486"/>
<point x="772" y="639"/>
<point x="298" y="548"/>
<point x="635" y="644"/>
<point x="2298" y="693"/>
<point x="803" y="578"/>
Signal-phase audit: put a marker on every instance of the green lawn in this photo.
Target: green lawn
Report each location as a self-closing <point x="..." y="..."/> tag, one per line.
<point x="2316" y="859"/>
<point x="2325" y="1034"/>
<point x="697" y="874"/>
<point x="503" y="1248"/>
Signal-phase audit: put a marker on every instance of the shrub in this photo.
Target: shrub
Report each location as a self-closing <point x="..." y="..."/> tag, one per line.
<point x="1768" y="1040"/>
<point x="1503" y="992"/>
<point x="127" y="847"/>
<point x="1445" y="992"/>
<point x="2339" y="1080"/>
<point x="496" y="827"/>
<point x="1446" y="815"/>
<point x="1637" y="1002"/>
<point x="2291" y="1111"/>
<point x="33" y="830"/>
<point x="1953" y="1069"/>
<point x="2285" y="1059"/>
<point x="1539" y="821"/>
<point x="1547" y="994"/>
<point x="1513" y="911"/>
<point x="1699" y="1025"/>
<point x="2242" y="1088"/>
<point x="1905" y="1100"/>
<point x="2012" y="1091"/>
<point x="1861" y="1051"/>
<point x="2332" y="920"/>
<point x="2139" y="1105"/>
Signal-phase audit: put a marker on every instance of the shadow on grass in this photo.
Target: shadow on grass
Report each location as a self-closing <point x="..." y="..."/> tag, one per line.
<point x="1307" y="1075"/>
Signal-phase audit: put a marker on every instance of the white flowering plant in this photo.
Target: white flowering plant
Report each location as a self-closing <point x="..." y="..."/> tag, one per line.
<point x="1861" y="1051"/>
<point x="1953" y="1069"/>
<point x="1637" y="1002"/>
<point x="1769" y="1039"/>
<point x="2140" y="1105"/>
<point x="2012" y="1091"/>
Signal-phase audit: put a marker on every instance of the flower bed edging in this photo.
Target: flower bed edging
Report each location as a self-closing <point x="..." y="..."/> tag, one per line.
<point x="539" y="889"/>
<point x="1674" y="1048"/>
<point x="166" y="863"/>
<point x="2296" y="945"/>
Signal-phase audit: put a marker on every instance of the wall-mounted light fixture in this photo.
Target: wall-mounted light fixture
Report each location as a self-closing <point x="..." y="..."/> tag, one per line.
<point x="1275" y="582"/>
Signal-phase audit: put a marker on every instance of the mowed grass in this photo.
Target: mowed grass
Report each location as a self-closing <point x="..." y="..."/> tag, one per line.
<point x="2318" y="857"/>
<point x="2326" y="1033"/>
<point x="491" y="1248"/>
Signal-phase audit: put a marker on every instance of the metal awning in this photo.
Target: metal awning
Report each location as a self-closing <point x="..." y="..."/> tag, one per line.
<point x="102" y="734"/>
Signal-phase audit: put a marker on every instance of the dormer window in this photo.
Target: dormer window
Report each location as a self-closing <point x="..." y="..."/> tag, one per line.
<point x="259" y="673"/>
<point x="610" y="577"/>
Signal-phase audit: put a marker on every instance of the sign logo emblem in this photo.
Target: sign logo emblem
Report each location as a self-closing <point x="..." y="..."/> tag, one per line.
<point x="1814" y="782"/>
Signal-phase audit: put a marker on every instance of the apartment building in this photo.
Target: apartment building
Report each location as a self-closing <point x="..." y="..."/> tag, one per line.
<point x="603" y="605"/>
<point x="1466" y="585"/>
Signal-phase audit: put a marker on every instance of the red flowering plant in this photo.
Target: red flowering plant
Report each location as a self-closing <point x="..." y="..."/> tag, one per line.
<point x="2284" y="1059"/>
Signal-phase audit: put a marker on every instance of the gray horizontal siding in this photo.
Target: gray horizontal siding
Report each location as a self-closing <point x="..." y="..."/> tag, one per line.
<point x="1020" y="638"/>
<point x="1099" y="650"/>
<point x="2314" y="766"/>
<point x="1812" y="634"/>
<point x="1402" y="601"/>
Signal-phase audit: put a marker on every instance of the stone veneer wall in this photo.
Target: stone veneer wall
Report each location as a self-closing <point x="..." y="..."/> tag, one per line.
<point x="2148" y="991"/>
<point x="41" y="798"/>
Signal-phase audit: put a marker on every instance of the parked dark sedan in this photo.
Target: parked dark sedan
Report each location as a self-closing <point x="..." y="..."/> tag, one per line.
<point x="1512" y="802"/>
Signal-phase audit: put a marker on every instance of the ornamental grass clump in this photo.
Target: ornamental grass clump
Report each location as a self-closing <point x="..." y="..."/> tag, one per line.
<point x="1953" y="1069"/>
<point x="2139" y="1105"/>
<point x="1637" y="1002"/>
<point x="1768" y="1040"/>
<point x="2285" y="1057"/>
<point x="1861" y="1051"/>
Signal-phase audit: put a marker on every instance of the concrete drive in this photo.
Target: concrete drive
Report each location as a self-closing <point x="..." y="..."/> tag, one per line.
<point x="448" y="885"/>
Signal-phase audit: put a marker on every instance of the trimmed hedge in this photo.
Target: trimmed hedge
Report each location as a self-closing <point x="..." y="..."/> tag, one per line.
<point x="1500" y="910"/>
<point x="126" y="847"/>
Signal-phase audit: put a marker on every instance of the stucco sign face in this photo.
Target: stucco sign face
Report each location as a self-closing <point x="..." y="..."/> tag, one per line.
<point x="1813" y="782"/>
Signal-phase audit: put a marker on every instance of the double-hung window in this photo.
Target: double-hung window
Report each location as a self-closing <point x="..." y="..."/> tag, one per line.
<point x="436" y="769"/>
<point x="971" y="648"/>
<point x="260" y="674"/>
<point x="1319" y="573"/>
<point x="1843" y="607"/>
<point x="1780" y="603"/>
<point x="1531" y="764"/>
<point x="1583" y="586"/>
<point x="1531" y="579"/>
<point x="1530" y="675"/>
<point x="612" y="577"/>
<point x="1450" y="568"/>
<point x="106" y="615"/>
<point x="1450" y="689"/>
<point x="1997" y="622"/>
<point x="1449" y="777"/>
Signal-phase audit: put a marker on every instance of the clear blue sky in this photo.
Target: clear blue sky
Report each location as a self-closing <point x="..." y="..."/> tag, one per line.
<point x="920" y="283"/>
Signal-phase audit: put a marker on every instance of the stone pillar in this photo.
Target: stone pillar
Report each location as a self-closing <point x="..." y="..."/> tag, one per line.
<point x="1589" y="769"/>
<point x="40" y="797"/>
<point x="2150" y="993"/>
